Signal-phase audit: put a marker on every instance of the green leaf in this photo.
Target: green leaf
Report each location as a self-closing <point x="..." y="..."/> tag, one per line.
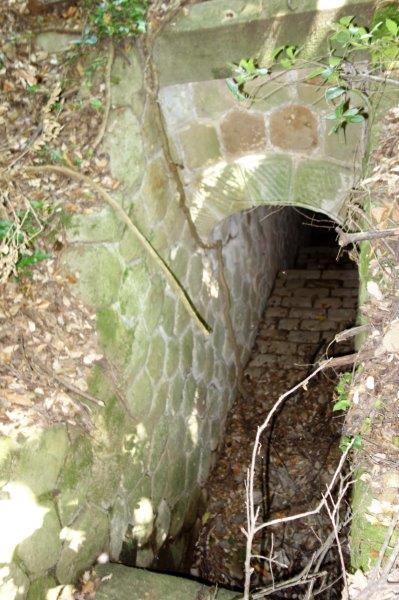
<point x="391" y="26"/>
<point x="342" y="37"/>
<point x="286" y="63"/>
<point x="346" y="21"/>
<point x="316" y="72"/>
<point x="277" y="51"/>
<point x="234" y="88"/>
<point x="341" y="405"/>
<point x="344" y="443"/>
<point x="334" y="61"/>
<point x="334" y="92"/>
<point x="96" y="103"/>
<point x="357" y="442"/>
<point x="27" y="260"/>
<point x="356" y="119"/>
<point x="351" y="112"/>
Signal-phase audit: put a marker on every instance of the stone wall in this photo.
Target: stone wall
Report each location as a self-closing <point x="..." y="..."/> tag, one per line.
<point x="134" y="481"/>
<point x="274" y="148"/>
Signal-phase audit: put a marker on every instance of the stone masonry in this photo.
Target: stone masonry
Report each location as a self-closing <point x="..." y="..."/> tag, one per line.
<point x="308" y="306"/>
<point x="135" y="481"/>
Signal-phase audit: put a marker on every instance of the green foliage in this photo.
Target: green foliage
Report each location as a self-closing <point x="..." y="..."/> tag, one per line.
<point x="343" y="115"/>
<point x="342" y="390"/>
<point x="21" y="234"/>
<point x="246" y="70"/>
<point x="338" y="71"/>
<point x="96" y="103"/>
<point x="287" y="55"/>
<point x="115" y="18"/>
<point x="355" y="441"/>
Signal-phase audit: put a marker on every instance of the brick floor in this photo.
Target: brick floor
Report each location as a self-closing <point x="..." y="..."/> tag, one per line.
<point x="307" y="308"/>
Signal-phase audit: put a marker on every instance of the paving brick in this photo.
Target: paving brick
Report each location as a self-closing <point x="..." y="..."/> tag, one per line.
<point x="272" y="334"/>
<point x="276" y="311"/>
<point x="289" y="324"/>
<point x="313" y="292"/>
<point x="345" y="292"/>
<point x="350" y="302"/>
<point x="280" y="347"/>
<point x="306" y="313"/>
<point x="316" y="325"/>
<point x="345" y="275"/>
<point x="282" y="291"/>
<point x="348" y="283"/>
<point x="304" y="337"/>
<point x="328" y="302"/>
<point x="274" y="300"/>
<point x="302" y="274"/>
<point x="307" y="350"/>
<point x="297" y="301"/>
<point x="342" y="314"/>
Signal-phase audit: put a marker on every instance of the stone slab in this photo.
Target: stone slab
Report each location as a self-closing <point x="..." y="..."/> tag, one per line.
<point x="128" y="583"/>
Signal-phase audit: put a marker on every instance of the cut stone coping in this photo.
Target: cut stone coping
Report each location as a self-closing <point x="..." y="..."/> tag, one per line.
<point x="129" y="583"/>
<point x="204" y="38"/>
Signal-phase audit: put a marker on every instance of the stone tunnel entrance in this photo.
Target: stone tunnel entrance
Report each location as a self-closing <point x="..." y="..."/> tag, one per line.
<point x="309" y="303"/>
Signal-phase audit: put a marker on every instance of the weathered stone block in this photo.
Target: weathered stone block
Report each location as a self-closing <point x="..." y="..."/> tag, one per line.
<point x="294" y="128"/>
<point x="135" y="286"/>
<point x="212" y="98"/>
<point x="316" y="181"/>
<point x="126" y="148"/>
<point x="40" y="551"/>
<point x="73" y="482"/>
<point x="243" y="132"/>
<point x="41" y="459"/>
<point x="289" y="324"/>
<point x="99" y="226"/>
<point x="156" y="358"/>
<point x="346" y="145"/>
<point x="38" y="589"/>
<point x="126" y="77"/>
<point x="156" y="190"/>
<point x="315" y="325"/>
<point x="200" y="145"/>
<point x="115" y="336"/>
<point x="139" y="395"/>
<point x="342" y="314"/>
<point x="307" y="337"/>
<point x="14" y="583"/>
<point x="177" y="105"/>
<point x="83" y="542"/>
<point x="266" y="95"/>
<point x="98" y="270"/>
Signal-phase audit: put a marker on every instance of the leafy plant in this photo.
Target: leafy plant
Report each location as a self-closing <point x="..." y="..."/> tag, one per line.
<point x="287" y="55"/>
<point x="116" y="18"/>
<point x="338" y="71"/>
<point x="17" y="237"/>
<point x="246" y="70"/>
<point x="343" y="115"/>
<point x="342" y="390"/>
<point x="355" y="441"/>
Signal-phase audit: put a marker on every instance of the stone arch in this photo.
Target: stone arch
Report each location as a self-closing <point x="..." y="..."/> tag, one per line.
<point x="276" y="152"/>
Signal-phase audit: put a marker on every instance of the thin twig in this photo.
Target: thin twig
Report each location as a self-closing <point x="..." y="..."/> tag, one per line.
<point x="353" y="238"/>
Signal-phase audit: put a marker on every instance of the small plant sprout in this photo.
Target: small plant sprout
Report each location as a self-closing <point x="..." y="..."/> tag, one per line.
<point x="342" y="389"/>
<point x="245" y="71"/>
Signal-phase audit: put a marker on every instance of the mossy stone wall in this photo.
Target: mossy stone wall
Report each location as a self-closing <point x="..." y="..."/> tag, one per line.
<point x="134" y="482"/>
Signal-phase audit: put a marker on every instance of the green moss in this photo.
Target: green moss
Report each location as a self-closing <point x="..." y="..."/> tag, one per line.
<point x="115" y="336"/>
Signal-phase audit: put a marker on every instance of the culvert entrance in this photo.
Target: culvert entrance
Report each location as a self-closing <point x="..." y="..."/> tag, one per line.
<point x="309" y="304"/>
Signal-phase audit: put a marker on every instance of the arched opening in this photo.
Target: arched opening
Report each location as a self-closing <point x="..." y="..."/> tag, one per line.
<point x="310" y="291"/>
